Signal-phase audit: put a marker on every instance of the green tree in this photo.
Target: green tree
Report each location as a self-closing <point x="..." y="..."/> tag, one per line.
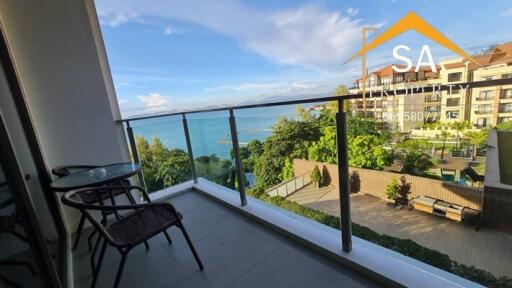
<point x="358" y="126"/>
<point x="341" y="90"/>
<point x="368" y="151"/>
<point x="287" y="172"/>
<point x="249" y="154"/>
<point x="415" y="162"/>
<point x="477" y="139"/>
<point x="162" y="167"/>
<point x="444" y="135"/>
<point x="291" y="139"/>
<point x="316" y="176"/>
<point x="413" y="145"/>
<point x="324" y="150"/>
<point x="175" y="169"/>
<point x="504" y="125"/>
<point x="459" y="127"/>
<point x="219" y="171"/>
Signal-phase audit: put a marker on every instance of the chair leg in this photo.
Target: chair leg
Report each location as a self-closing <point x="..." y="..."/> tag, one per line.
<point x="121" y="267"/>
<point x="89" y="240"/>
<point x="146" y="244"/>
<point x="191" y="246"/>
<point x="100" y="260"/>
<point x="79" y="231"/>
<point x="93" y="254"/>
<point x="168" y="237"/>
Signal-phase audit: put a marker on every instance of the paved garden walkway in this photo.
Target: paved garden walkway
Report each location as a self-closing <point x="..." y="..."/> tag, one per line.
<point x="486" y="249"/>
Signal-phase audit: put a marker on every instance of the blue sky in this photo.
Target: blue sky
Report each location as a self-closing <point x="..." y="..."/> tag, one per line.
<point x="185" y="54"/>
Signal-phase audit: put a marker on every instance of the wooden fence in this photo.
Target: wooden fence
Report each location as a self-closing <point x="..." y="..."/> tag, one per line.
<point x="375" y="182"/>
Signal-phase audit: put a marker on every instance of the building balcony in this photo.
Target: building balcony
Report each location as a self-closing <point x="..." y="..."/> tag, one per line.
<point x="483" y="112"/>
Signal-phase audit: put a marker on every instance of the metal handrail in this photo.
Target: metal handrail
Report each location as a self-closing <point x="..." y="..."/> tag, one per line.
<point x="474" y="84"/>
<point x="341" y="140"/>
<point x="291" y="180"/>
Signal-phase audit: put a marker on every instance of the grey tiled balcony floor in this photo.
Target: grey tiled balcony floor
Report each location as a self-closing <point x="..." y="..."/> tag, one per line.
<point x="235" y="251"/>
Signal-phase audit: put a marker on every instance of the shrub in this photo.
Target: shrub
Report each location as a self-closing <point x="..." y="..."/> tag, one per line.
<point x="392" y="189"/>
<point x="316" y="176"/>
<point x="355" y="182"/>
<point x="404" y="188"/>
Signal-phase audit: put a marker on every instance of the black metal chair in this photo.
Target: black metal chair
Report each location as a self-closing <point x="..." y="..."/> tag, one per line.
<point x="91" y="198"/>
<point x="8" y="223"/>
<point x="140" y="223"/>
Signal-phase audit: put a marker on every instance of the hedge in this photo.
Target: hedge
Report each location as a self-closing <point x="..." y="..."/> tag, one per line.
<point x="404" y="246"/>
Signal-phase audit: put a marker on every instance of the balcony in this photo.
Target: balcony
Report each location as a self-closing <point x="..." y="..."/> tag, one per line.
<point x="245" y="238"/>
<point x="236" y="250"/>
<point x="483" y="112"/>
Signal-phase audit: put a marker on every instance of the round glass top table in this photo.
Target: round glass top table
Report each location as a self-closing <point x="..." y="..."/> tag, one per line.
<point x="98" y="176"/>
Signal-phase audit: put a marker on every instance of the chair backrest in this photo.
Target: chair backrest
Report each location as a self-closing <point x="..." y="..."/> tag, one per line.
<point x="74" y="199"/>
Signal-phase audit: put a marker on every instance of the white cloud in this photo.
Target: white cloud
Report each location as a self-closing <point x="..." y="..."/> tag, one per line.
<point x="309" y="35"/>
<point x="169" y="30"/>
<point x="155" y="101"/>
<point x="507" y="13"/>
<point x="352" y="11"/>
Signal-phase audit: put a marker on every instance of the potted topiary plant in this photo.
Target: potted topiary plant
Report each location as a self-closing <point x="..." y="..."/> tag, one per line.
<point x="355" y="182"/>
<point x="392" y="189"/>
<point x="316" y="176"/>
<point x="404" y="189"/>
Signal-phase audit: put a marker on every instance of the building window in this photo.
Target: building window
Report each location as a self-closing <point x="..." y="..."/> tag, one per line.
<point x="505" y="108"/>
<point x="484" y="78"/>
<point x="506" y="94"/>
<point x="484" y="109"/>
<point x="455" y="90"/>
<point x="450" y="102"/>
<point x="399" y="78"/>
<point x="452" y="114"/>
<point x="481" y="122"/>
<point x="432" y="109"/>
<point x="453" y="77"/>
<point x="432" y="98"/>
<point x="386" y="80"/>
<point x="506" y="76"/>
<point x="486" y="95"/>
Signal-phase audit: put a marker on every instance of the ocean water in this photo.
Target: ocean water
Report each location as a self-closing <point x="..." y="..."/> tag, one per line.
<point x="210" y="133"/>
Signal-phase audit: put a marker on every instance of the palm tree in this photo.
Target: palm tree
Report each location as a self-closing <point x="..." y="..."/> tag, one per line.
<point x="460" y="127"/>
<point x="477" y="139"/>
<point x="444" y="134"/>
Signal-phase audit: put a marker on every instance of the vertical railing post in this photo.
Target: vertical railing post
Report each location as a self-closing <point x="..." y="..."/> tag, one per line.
<point x="135" y="153"/>
<point x="343" y="177"/>
<point x="236" y="154"/>
<point x="189" y="149"/>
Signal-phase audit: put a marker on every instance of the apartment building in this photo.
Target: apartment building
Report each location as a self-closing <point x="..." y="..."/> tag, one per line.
<point x="401" y="112"/>
<point x="482" y="107"/>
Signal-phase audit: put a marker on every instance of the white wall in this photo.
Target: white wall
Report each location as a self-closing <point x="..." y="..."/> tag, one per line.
<point x="65" y="80"/>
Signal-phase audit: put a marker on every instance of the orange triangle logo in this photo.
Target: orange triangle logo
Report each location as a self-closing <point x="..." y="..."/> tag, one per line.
<point x="412" y="21"/>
